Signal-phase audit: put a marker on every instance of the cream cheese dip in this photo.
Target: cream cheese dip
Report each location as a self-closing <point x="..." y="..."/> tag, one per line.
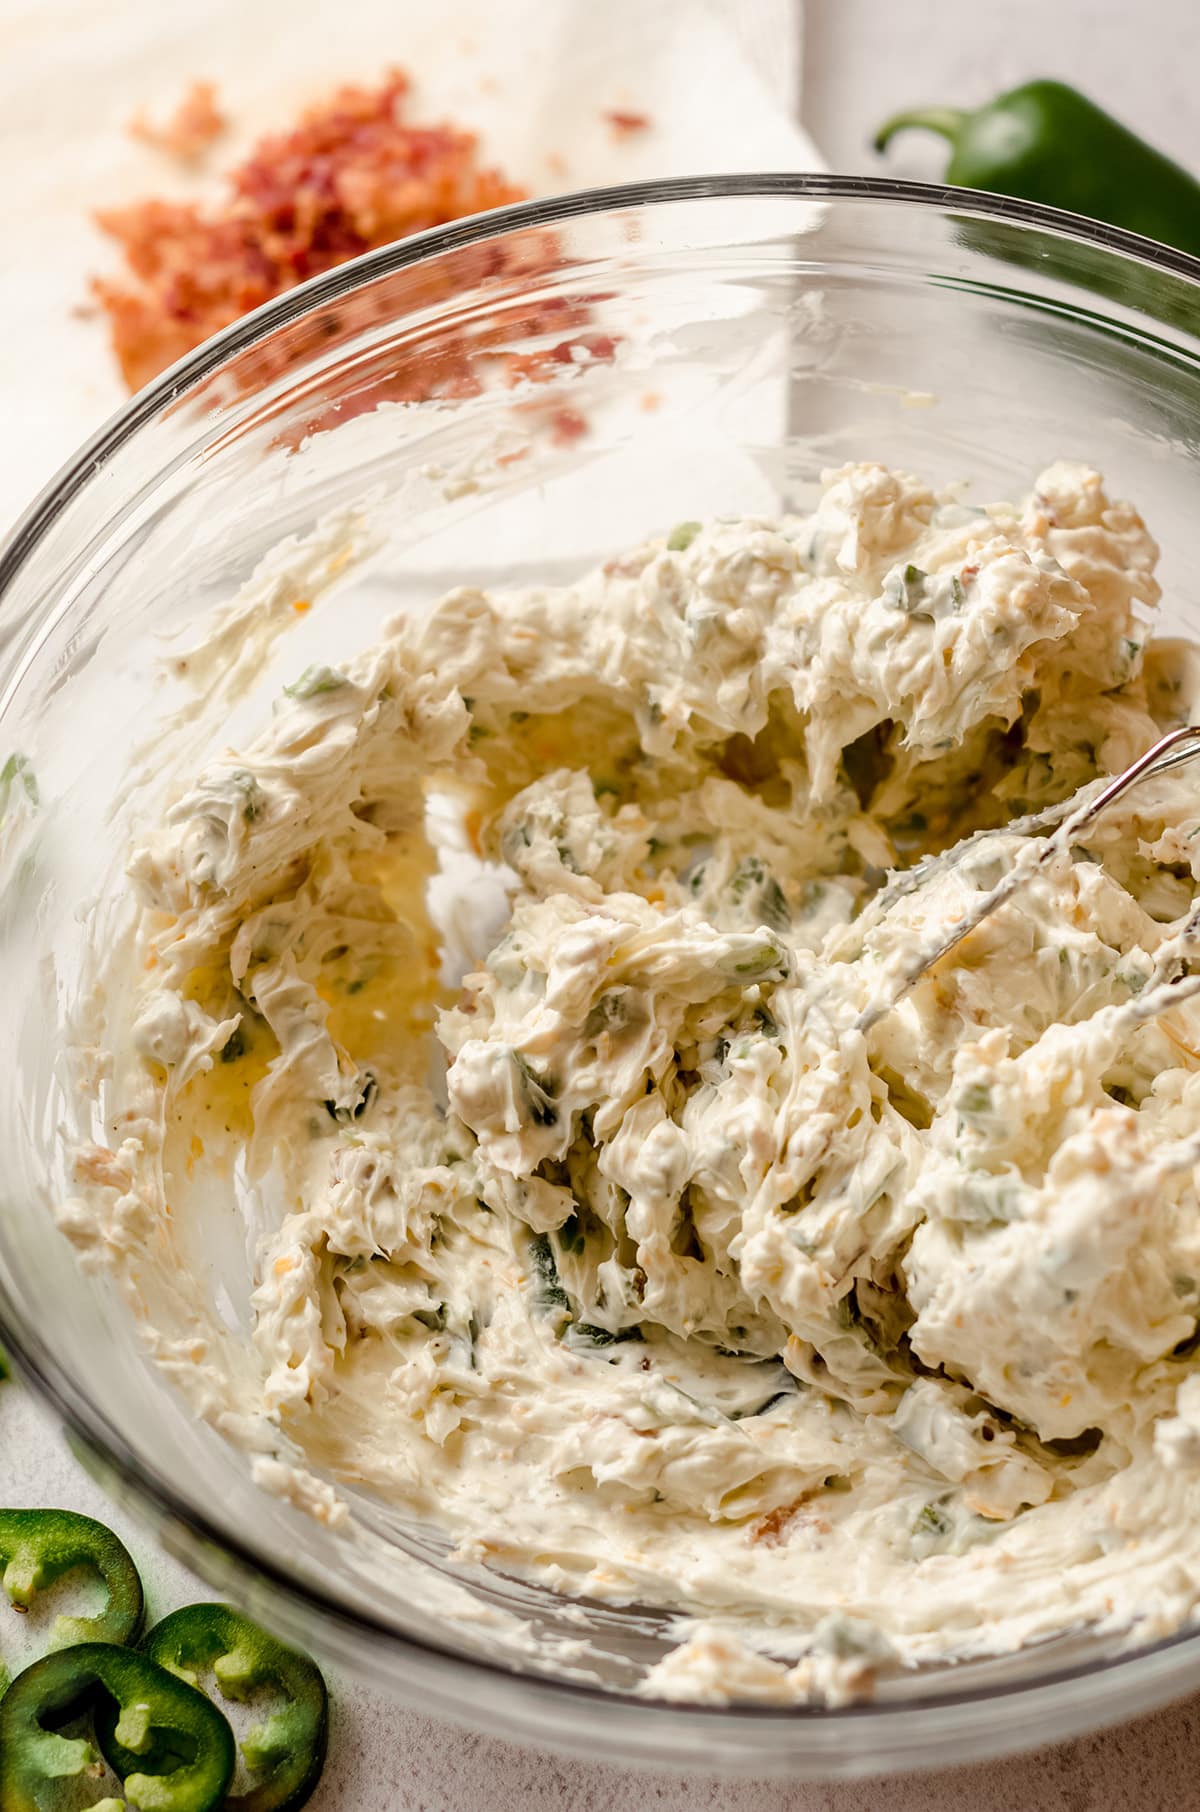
<point x="663" y="1281"/>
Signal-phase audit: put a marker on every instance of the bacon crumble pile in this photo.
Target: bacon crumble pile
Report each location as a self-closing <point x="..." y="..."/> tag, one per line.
<point x="352" y="176"/>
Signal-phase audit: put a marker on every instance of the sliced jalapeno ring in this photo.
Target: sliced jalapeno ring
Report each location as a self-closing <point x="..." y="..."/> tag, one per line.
<point x="177" y="1748"/>
<point x="285" y="1753"/>
<point x="39" y="1546"/>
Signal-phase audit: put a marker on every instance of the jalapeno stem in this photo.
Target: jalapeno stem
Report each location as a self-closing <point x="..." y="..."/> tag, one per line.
<point x="949" y="121"/>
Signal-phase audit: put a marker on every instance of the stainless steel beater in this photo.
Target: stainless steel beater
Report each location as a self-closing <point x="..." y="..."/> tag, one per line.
<point x="1172" y="750"/>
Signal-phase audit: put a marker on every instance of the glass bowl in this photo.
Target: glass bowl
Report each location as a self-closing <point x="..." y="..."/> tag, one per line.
<point x="510" y="399"/>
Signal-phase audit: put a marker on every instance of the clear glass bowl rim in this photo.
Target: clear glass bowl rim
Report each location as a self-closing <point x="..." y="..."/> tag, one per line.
<point x="1139" y="1678"/>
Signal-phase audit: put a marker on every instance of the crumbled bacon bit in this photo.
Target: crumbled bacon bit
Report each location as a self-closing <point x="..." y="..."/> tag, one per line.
<point x="546" y="362"/>
<point x="352" y="176"/>
<point x="566" y="426"/>
<point x="624" y="123"/>
<point x="771" y="1530"/>
<point x="191" y="129"/>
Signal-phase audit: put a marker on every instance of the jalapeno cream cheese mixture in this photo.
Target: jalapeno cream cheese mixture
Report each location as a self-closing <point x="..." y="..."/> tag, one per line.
<point x="616" y="1248"/>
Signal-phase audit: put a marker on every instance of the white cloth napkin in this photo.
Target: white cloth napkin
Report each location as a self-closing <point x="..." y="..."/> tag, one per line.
<point x="718" y="79"/>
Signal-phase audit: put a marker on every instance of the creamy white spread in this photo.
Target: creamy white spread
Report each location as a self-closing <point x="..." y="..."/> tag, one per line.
<point x="603" y="1236"/>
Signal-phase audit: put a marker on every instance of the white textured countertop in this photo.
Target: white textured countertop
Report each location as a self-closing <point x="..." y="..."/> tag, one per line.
<point x="862" y="58"/>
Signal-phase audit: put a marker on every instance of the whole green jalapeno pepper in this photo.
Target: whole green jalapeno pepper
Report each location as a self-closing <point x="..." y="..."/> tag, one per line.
<point x="1047" y="142"/>
<point x="177" y="1749"/>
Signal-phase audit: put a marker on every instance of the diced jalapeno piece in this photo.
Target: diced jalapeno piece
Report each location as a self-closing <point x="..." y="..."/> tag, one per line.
<point x="547" y="1284"/>
<point x="315" y="680"/>
<point x="17" y="770"/>
<point x="975" y="1103"/>
<point x="932" y="1521"/>
<point x="755" y="957"/>
<point x="534" y="1092"/>
<point x="755" y="885"/>
<point x="176" y="1749"/>
<point x="286" y="1751"/>
<point x="905" y="589"/>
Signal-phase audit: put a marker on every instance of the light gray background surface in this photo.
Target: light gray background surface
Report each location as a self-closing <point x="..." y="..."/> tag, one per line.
<point x="862" y="58"/>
